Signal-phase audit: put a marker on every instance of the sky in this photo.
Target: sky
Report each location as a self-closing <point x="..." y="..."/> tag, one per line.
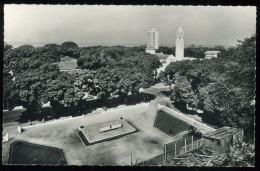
<point x="85" y="24"/>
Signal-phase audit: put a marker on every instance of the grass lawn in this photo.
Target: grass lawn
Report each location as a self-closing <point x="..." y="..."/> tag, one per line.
<point x="169" y="124"/>
<point x="27" y="153"/>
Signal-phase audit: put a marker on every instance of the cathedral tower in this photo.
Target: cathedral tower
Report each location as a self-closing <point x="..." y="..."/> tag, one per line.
<point x="179" y="46"/>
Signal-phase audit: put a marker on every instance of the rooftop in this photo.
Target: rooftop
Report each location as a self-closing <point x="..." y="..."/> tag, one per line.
<point x="67" y="63"/>
<point x="162" y="56"/>
<point x="221" y="133"/>
<point x="212" y="52"/>
<point x="68" y="59"/>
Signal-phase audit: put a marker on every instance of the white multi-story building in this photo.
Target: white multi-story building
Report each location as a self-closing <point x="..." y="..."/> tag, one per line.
<point x="152" y="41"/>
<point x="179" y="46"/>
<point x="211" y="54"/>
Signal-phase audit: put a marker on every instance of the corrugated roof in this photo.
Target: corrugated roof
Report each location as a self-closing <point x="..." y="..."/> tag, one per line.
<point x="221" y="133"/>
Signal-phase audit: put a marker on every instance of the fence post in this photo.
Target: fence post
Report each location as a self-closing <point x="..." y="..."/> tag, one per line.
<point x="185" y="144"/>
<point x="175" y="149"/>
<point x="191" y="142"/>
<point x="165" y="153"/>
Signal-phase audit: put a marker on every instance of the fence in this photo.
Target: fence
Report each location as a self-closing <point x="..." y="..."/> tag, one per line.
<point x="172" y="150"/>
<point x="153" y="161"/>
<point x="180" y="147"/>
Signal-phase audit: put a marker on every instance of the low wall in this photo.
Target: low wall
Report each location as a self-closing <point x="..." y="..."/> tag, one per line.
<point x="128" y="107"/>
<point x="186" y="119"/>
<point x="71" y="118"/>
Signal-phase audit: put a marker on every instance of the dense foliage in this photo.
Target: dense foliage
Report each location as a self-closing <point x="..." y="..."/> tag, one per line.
<point x="121" y="70"/>
<point x="223" y="87"/>
<point x="31" y="77"/>
<point x="166" y="50"/>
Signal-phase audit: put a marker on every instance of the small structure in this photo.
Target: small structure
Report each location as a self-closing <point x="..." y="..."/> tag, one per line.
<point x="110" y="126"/>
<point x="221" y="139"/>
<point x="20" y="129"/>
<point x="150" y="50"/>
<point x="6" y="138"/>
<point x="211" y="54"/>
<point x="89" y="97"/>
<point x="67" y="64"/>
<point x="105" y="131"/>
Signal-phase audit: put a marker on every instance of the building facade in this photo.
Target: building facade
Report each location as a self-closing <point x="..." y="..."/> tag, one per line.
<point x="211" y="54"/>
<point x="179" y="46"/>
<point x="152" y="41"/>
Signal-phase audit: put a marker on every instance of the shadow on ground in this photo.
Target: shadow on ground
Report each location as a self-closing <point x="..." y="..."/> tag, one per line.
<point x="166" y="93"/>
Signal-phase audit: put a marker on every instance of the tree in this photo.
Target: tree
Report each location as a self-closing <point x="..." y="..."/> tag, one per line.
<point x="25" y="47"/>
<point x="51" y="45"/>
<point x="7" y="85"/>
<point x="218" y="86"/>
<point x="29" y="87"/>
<point x="166" y="50"/>
<point x="69" y="44"/>
<point x="7" y="47"/>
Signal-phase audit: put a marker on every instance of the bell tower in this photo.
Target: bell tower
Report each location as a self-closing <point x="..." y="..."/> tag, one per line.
<point x="179" y="46"/>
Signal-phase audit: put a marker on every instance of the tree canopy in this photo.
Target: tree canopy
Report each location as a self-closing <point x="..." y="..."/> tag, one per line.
<point x="103" y="72"/>
<point x="223" y="87"/>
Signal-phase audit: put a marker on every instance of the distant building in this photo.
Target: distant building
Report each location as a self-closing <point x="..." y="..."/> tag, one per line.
<point x="179" y="46"/>
<point x="165" y="60"/>
<point x="211" y="54"/>
<point x="67" y="64"/>
<point x="152" y="41"/>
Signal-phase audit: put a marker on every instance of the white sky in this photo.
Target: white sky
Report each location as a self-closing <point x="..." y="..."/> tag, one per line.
<point x="127" y="24"/>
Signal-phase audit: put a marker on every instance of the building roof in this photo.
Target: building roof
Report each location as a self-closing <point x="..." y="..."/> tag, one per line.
<point x="162" y="56"/>
<point x="67" y="65"/>
<point x="212" y="52"/>
<point x="68" y="59"/>
<point x="180" y="30"/>
<point x="221" y="133"/>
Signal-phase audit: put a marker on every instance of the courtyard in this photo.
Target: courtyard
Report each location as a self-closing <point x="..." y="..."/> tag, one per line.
<point x="144" y="144"/>
<point x="64" y="135"/>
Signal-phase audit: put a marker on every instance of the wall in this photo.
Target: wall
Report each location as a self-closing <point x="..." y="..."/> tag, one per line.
<point x="200" y="126"/>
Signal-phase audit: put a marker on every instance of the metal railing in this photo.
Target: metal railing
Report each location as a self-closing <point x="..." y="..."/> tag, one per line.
<point x="176" y="148"/>
<point x="173" y="150"/>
